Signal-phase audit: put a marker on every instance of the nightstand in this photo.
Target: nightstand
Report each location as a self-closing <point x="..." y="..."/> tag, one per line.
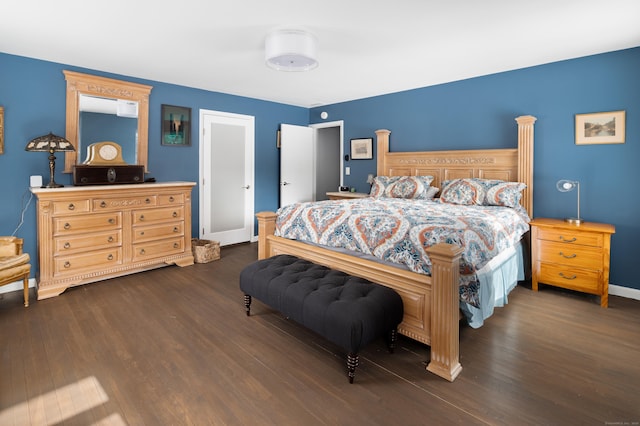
<point x="345" y="195"/>
<point x="571" y="256"/>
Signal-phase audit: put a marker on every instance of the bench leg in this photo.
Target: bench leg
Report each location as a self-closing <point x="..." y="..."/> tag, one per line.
<point x="352" y="363"/>
<point x="391" y="340"/>
<point x="247" y="304"/>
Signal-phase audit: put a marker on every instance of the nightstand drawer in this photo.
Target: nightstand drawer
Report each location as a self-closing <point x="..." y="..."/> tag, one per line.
<point x="569" y="254"/>
<point x="571" y="237"/>
<point x="586" y="280"/>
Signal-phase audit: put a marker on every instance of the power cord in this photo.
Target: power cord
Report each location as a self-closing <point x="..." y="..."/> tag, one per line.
<point x="24" y="210"/>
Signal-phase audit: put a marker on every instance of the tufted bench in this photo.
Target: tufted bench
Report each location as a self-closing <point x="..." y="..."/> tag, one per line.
<point x="346" y="310"/>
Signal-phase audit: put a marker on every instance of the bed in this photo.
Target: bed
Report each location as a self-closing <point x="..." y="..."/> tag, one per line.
<point x="431" y="302"/>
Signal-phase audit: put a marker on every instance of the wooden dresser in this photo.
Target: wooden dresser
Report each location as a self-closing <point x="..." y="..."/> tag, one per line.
<point x="92" y="233"/>
<point x="572" y="256"/>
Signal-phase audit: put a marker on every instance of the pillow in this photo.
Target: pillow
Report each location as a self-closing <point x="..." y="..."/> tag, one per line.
<point x="410" y="187"/>
<point x="484" y="192"/>
<point x="431" y="192"/>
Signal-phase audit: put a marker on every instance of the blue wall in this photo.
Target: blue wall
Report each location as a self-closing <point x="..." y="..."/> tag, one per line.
<point x="474" y="113"/>
<point x="480" y="112"/>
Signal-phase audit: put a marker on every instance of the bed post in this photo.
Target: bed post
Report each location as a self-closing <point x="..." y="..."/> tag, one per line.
<point x="266" y="227"/>
<point x="445" y="319"/>
<point x="525" y="159"/>
<point x="383" y="149"/>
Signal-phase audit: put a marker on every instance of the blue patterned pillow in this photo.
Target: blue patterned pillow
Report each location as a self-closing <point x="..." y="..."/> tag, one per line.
<point x="485" y="192"/>
<point x="410" y="187"/>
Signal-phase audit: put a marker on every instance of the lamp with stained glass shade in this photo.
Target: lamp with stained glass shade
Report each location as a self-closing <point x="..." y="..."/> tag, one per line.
<point x="50" y="143"/>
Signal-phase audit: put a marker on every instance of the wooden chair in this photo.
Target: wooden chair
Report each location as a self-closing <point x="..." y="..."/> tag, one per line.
<point x="14" y="264"/>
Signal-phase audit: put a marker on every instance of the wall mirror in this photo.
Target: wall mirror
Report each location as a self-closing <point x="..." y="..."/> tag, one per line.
<point x="104" y="109"/>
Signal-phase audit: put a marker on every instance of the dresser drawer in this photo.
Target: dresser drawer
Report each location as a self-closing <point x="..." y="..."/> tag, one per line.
<point x="142" y="217"/>
<point x="571" y="237"/>
<point x="170" y="199"/>
<point x="107" y="204"/>
<point x="570" y="254"/>
<point x="586" y="280"/>
<point x="89" y="260"/>
<point x="150" y="250"/>
<point x="154" y="232"/>
<point x="101" y="222"/>
<point x="71" y="206"/>
<point x="74" y="243"/>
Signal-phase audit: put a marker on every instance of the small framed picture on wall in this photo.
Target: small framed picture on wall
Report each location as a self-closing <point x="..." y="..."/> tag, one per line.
<point x="176" y="125"/>
<point x="362" y="149"/>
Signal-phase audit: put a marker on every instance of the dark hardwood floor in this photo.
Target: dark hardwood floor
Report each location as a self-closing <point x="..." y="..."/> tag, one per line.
<point x="173" y="347"/>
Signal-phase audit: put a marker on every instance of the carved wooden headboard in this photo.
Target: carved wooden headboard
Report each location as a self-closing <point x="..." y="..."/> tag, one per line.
<point x="513" y="164"/>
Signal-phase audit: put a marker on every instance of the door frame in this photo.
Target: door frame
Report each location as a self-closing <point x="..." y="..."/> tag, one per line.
<point x="249" y="155"/>
<point x="340" y="124"/>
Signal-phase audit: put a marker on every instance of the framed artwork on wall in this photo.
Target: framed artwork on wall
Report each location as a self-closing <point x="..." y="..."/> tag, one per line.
<point x="600" y="127"/>
<point x="176" y="125"/>
<point x="362" y="149"/>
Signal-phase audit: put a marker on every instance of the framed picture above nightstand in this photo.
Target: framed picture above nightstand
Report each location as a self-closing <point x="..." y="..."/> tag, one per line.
<point x="571" y="256"/>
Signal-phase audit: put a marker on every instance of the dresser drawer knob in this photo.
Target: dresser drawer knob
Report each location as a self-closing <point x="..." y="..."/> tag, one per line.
<point x="175" y="229"/>
<point x="566" y="277"/>
<point x="147" y="200"/>
<point x="176" y="245"/>
<point x="67" y="264"/>
<point x="103" y="204"/>
<point x="566" y="240"/>
<point x="71" y="206"/>
<point x="171" y="199"/>
<point x="571" y="256"/>
<point x="112" y="221"/>
<point x="141" y="217"/>
<point x="141" y="233"/>
<point x="110" y="257"/>
<point x="67" y="245"/>
<point x="142" y="251"/>
<point x="175" y="214"/>
<point x="67" y="226"/>
<point x="110" y="239"/>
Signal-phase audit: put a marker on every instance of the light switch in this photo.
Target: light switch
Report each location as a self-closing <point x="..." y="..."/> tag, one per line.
<point x="347" y="171"/>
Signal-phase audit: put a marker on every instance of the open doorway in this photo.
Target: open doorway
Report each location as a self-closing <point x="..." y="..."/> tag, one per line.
<point x="329" y="158"/>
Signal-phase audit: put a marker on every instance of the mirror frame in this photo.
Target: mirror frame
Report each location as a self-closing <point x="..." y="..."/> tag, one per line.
<point x="85" y="84"/>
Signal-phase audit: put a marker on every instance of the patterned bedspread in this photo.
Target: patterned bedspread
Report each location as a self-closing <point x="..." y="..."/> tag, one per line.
<point x="398" y="231"/>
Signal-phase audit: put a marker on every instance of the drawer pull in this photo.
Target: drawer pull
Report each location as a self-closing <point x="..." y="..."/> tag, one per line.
<point x="110" y="239"/>
<point x="67" y="226"/>
<point x="141" y="233"/>
<point x="141" y="217"/>
<point x="103" y="204"/>
<point x="171" y="199"/>
<point x="67" y="245"/>
<point x="110" y="257"/>
<point x="142" y="251"/>
<point x="147" y="200"/>
<point x="566" y="240"/>
<point x="71" y="206"/>
<point x="175" y="229"/>
<point x="572" y="277"/>
<point x="112" y="221"/>
<point x="175" y="214"/>
<point x="176" y="245"/>
<point x="67" y="264"/>
<point x="571" y="256"/>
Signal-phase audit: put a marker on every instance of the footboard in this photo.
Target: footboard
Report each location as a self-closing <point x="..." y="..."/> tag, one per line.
<point x="431" y="313"/>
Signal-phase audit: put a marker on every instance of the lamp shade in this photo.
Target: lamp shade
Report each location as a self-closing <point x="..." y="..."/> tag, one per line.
<point x="49" y="143"/>
<point x="565" y="185"/>
<point x="291" y="50"/>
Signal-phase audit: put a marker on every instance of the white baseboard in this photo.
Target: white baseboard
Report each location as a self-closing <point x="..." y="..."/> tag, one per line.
<point x="617" y="290"/>
<point x="15" y="286"/>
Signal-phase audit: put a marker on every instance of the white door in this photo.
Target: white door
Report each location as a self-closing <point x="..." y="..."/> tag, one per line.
<point x="297" y="164"/>
<point x="226" y="177"/>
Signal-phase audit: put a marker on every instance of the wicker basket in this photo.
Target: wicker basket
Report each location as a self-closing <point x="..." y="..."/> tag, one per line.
<point x="204" y="251"/>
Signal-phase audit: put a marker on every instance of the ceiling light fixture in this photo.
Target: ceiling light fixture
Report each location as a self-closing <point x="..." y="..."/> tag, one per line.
<point x="291" y="50"/>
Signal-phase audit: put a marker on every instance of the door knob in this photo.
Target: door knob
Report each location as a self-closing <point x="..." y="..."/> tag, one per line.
<point x="285" y="183"/>
<point x="247" y="186"/>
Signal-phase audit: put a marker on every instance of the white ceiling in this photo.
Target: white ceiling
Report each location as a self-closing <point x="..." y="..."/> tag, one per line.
<point x="366" y="47"/>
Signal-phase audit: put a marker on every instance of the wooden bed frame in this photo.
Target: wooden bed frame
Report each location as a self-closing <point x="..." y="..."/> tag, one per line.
<point x="431" y="303"/>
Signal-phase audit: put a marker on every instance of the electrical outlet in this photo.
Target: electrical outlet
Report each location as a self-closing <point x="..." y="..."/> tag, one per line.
<point x="347" y="171"/>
